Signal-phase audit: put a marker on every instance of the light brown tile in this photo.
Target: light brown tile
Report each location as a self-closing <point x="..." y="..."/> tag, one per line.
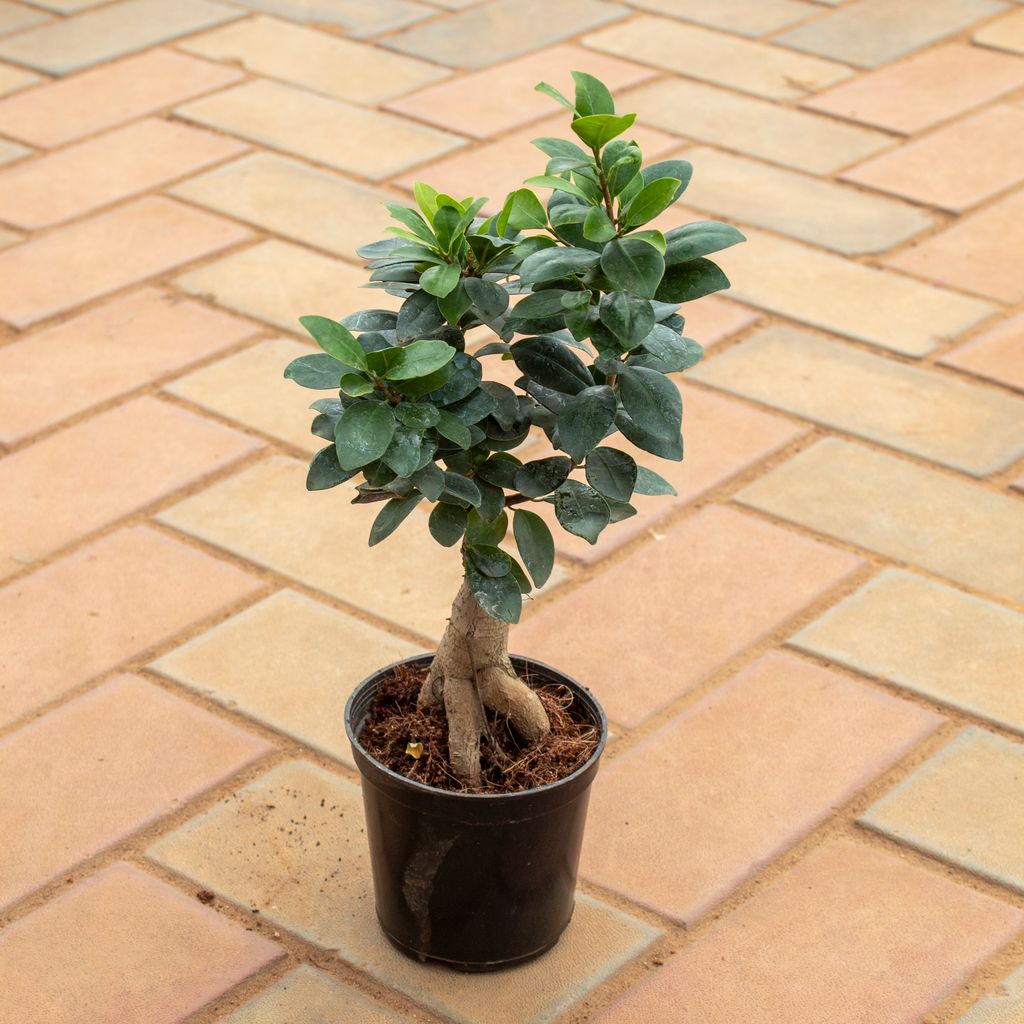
<point x="997" y="354"/>
<point x="107" y="96"/>
<point x="65" y="268"/>
<point x="745" y="17"/>
<point x="103" y="766"/>
<point x="123" y="946"/>
<point x="712" y="319"/>
<point x="105" y="603"/>
<point x="357" y="19"/>
<point x="13" y="79"/>
<point x="1004" y="34"/>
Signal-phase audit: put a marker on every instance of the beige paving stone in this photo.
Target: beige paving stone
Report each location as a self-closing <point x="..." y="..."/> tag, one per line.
<point x="997" y="354"/>
<point x="65" y="268"/>
<point x="66" y="6"/>
<point x="964" y="805"/>
<point x="289" y="662"/>
<point x="106" y="352"/>
<point x="935" y="520"/>
<point x="746" y="17"/>
<point x="9" y="152"/>
<point x="820" y="212"/>
<point x="106" y="169"/>
<point x="874" y="32"/>
<point x="1004" y="33"/>
<point x="847" y="298"/>
<point x="503" y="29"/>
<point x="709" y="588"/>
<point x="1004" y="1006"/>
<point x="712" y="319"/>
<point x="102" y="767"/>
<point x="12" y="79"/>
<point x="324" y="894"/>
<point x="265" y="514"/>
<point x="497" y="99"/>
<point x="54" y="500"/>
<point x="766" y="757"/>
<point x="93" y="101"/>
<point x="955" y="167"/>
<point x="123" y="946"/>
<point x="105" y="603"/>
<point x="325" y="63"/>
<point x="279" y="282"/>
<point x="852" y="933"/>
<point x="112" y="31"/>
<point x="931" y="639"/>
<point x="358" y="18"/>
<point x="952" y="422"/>
<point x="15" y="17"/>
<point x="782" y="135"/>
<point x="370" y="143"/>
<point x="928" y="88"/>
<point x="978" y="253"/>
<point x="8" y="238"/>
<point x="307" y="994"/>
<point x="763" y="70"/>
<point x="293" y="199"/>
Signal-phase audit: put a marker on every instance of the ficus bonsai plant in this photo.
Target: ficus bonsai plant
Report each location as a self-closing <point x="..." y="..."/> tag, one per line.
<point x="582" y="295"/>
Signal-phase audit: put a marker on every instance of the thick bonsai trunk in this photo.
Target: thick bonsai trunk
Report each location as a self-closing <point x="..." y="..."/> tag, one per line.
<point x="471" y="671"/>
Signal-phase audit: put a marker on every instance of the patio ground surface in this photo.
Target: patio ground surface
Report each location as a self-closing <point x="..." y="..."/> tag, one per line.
<point x="812" y="808"/>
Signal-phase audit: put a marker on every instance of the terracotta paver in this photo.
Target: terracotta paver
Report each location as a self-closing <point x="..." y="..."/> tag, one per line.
<point x="15" y="17"/>
<point x="289" y="662"/>
<point x="765" y="757"/>
<point x="113" y="31"/>
<point x="105" y="169"/>
<point x="951" y="422"/>
<point x="997" y="354"/>
<point x="495" y="100"/>
<point x="745" y="17"/>
<point x="358" y="19"/>
<point x="325" y="63"/>
<point x="371" y="143"/>
<point x="1004" y="1006"/>
<point x="1006" y="33"/>
<point x="964" y="805"/>
<point x="849" y="934"/>
<point x="901" y="510"/>
<point x="65" y="268"/>
<point x="100" y="606"/>
<point x="109" y="95"/>
<point x="712" y="319"/>
<point x="9" y="152"/>
<point x="124" y="946"/>
<point x="924" y="90"/>
<point x="753" y="576"/>
<point x="931" y="639"/>
<point x="104" y="353"/>
<point x="324" y="893"/>
<point x="12" y="79"/>
<point x="101" y="767"/>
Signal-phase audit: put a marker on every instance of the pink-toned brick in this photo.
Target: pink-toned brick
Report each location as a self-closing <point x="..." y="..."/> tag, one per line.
<point x="714" y="585"/>
<point x="90" y="258"/>
<point x="997" y="354"/>
<point x="97" y="769"/>
<point x="95" y="472"/>
<point x="109" y="95"/>
<point x="108" y="602"/>
<point x="766" y="757"/>
<point x="850" y="934"/>
<point x="123" y="947"/>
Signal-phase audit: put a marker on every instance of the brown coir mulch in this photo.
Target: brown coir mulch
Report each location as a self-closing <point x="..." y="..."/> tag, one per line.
<point x="509" y="765"/>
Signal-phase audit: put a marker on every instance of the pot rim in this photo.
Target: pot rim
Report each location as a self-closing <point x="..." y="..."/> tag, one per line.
<point x="413" y="784"/>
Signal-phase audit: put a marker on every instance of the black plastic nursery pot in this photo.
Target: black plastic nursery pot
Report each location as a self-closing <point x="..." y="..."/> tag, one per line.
<point x="478" y="881"/>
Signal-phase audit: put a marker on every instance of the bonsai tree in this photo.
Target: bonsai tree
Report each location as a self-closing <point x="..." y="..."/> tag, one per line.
<point x="595" y="336"/>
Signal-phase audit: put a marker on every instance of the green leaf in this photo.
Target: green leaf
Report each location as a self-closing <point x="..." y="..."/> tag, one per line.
<point x="535" y="543"/>
<point x="521" y="578"/>
<point x="335" y="340"/>
<point x="542" y="476"/>
<point x="418" y="359"/>
<point x="318" y="371"/>
<point x="419" y="317"/>
<point x="540" y="305"/>
<point x="450" y="426"/>
<point x="461" y="488"/>
<point x="439" y="281"/>
<point x="633" y="266"/>
<point x="597" y="226"/>
<point x="592" y="95"/>
<point x="417" y="417"/>
<point x="489" y="300"/>
<point x="561" y="148"/>
<point x="685" y="282"/>
<point x="429" y="480"/>
<point x="355" y="385"/>
<point x="526" y="210"/>
<point x="447" y="524"/>
<point x="629" y="317"/>
<point x="552" y="365"/>
<point x="612" y="473"/>
<point x="699" y="239"/>
<point x="325" y="472"/>
<point x="621" y="162"/>
<point x="652" y="238"/>
<point x="675" y="353"/>
<point x="550" y="90"/>
<point x="391" y="516"/>
<point x="654" y="411"/>
<point x="585" y="420"/>
<point x="464" y="379"/>
<point x="363" y="434"/>
<point x="413" y="221"/>
<point x="500" y="597"/>
<point x="492" y="501"/>
<point x="454" y="304"/>
<point x="403" y="454"/>
<point x="500" y="470"/>
<point x="651" y="200"/>
<point x="490" y="560"/>
<point x="555" y="182"/>
<point x="429" y="384"/>
<point x="483" y="531"/>
<point x="581" y="510"/>
<point x="475" y="407"/>
<point x="371" y="320"/>
<point x="426" y="198"/>
<point x="681" y="170"/>
<point x="598" y="129"/>
<point x="649" y="482"/>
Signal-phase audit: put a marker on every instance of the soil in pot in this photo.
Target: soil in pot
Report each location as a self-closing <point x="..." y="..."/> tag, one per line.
<point x="414" y="742"/>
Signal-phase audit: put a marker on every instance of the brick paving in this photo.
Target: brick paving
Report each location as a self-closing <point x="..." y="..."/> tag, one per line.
<point x="810" y="810"/>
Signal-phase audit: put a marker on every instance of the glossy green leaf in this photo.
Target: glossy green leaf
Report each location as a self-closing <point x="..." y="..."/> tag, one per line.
<point x="612" y="473"/>
<point x="681" y="170"/>
<point x="413" y="221"/>
<point x="335" y="340"/>
<point x="489" y="560"/>
<point x="421" y="386"/>
<point x="629" y="317"/>
<point x="450" y="426"/>
<point x="540" y="305"/>
<point x="535" y="543"/>
<point x="484" y="531"/>
<point x="429" y="480"/>
<point x="674" y="352"/>
<point x="500" y="597"/>
<point x="455" y="303"/>
<point x="526" y="210"/>
<point x="649" y="482"/>
<point x="391" y="516"/>
<point x="552" y="364"/>
<point x="462" y="488"/>
<point x="426" y="198"/>
<point x="592" y="95"/>
<point x="439" y="281"/>
<point x="550" y="90"/>
<point x="691" y="241"/>
<point x="355" y="385"/>
<point x="651" y="237"/>
<point x="685" y="282"/>
<point x="418" y="359"/>
<point x="318" y="371"/>
<point x="447" y="524"/>
<point x="542" y="476"/>
<point x="596" y="130"/>
<point x="633" y="266"/>
<point x="371" y="320"/>
<point x="652" y="401"/>
<point x="585" y="419"/>
<point x="581" y="510"/>
<point x="363" y="434"/>
<point x="560" y="147"/>
<point x="651" y="200"/>
<point x="417" y="417"/>
<point x="403" y="454"/>
<point x="500" y="470"/>
<point x="325" y="472"/>
<point x="597" y="226"/>
<point x="555" y="182"/>
<point x="490" y="300"/>
<point x="464" y="379"/>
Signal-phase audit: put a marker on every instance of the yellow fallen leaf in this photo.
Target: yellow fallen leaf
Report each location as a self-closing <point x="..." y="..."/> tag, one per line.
<point x="414" y="749"/>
